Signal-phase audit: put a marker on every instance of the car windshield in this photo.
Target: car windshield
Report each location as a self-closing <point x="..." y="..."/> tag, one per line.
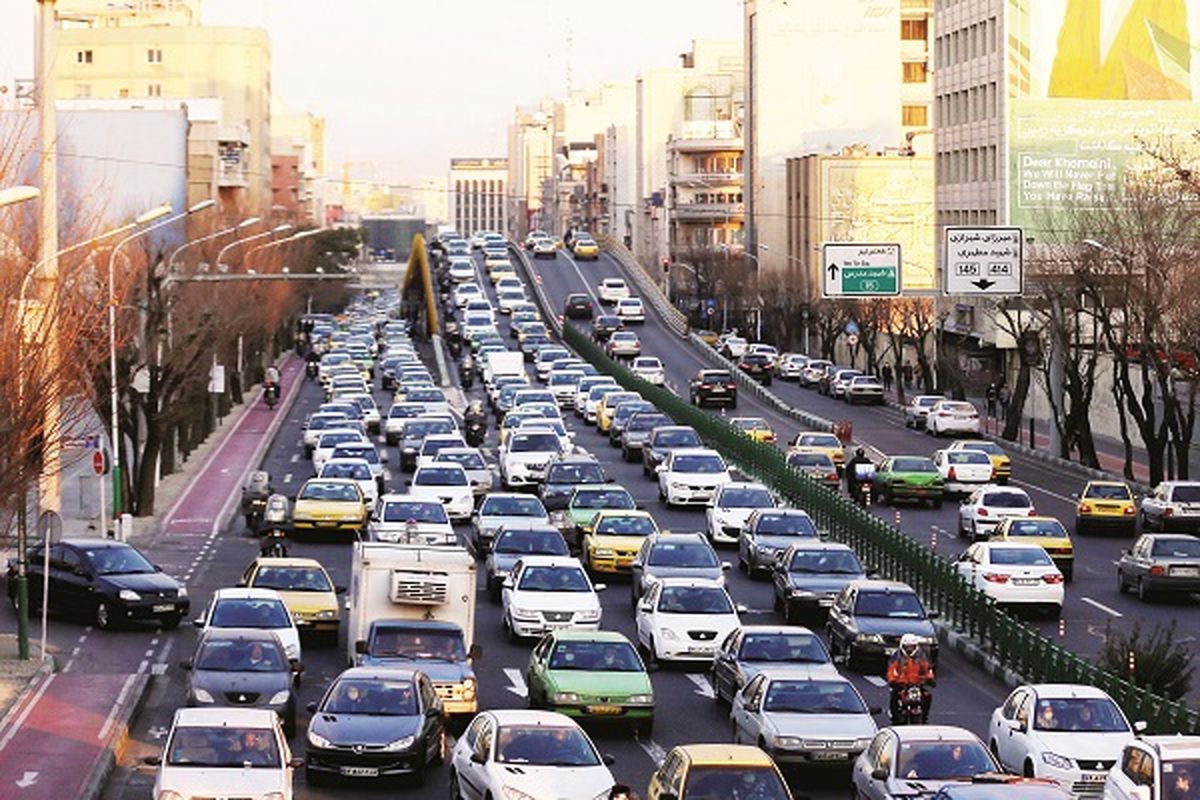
<point x="699" y="464"/>
<point x="1185" y="494"/>
<point x="1176" y="548"/>
<point x="249" y="613"/>
<point x="746" y="497"/>
<point x="1020" y="556"/>
<point x="682" y="554"/>
<point x="943" y="760"/>
<point x="467" y="459"/>
<point x="418" y="512"/>
<point x="802" y="460"/>
<point x="575" y="473"/>
<point x="913" y="465"/>
<point x="813" y="697"/>
<point x="1079" y="715"/>
<point x="332" y="440"/>
<point x="293" y="579"/>
<point x="603" y="498"/>
<point x="1107" y="491"/>
<point x="545" y="745"/>
<point x="1037" y="527"/>
<point x="1006" y="500"/>
<point x="894" y="605"/>
<point x="626" y="525"/>
<point x="825" y="562"/>
<point x="968" y="457"/>
<point x="372" y="698"/>
<point x="512" y="507"/>
<point x="722" y="783"/>
<point x="595" y="656"/>
<point x="366" y="452"/>
<point x="420" y="428"/>
<point x="694" y="600"/>
<point x="431" y="447"/>
<point x="819" y="440"/>
<point x="418" y="645"/>
<point x="677" y="438"/>
<point x="790" y="524"/>
<point x="554" y="579"/>
<point x="533" y="443"/>
<point x="222" y="746"/>
<point x="645" y="422"/>
<point x="328" y="492"/>
<point x="804" y="648"/>
<point x="117" y="560"/>
<point x="530" y="543"/>
<point x="356" y="472"/>
<point x="440" y="476"/>
<point x="565" y="378"/>
<point x="240" y="655"/>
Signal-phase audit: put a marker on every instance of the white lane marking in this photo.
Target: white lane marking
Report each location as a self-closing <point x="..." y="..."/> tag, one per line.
<point x="30" y="704"/>
<point x="516" y="682"/>
<point x="703" y="687"/>
<point x="654" y="750"/>
<point x="27" y="780"/>
<point x="876" y="680"/>
<point x="1047" y="492"/>
<point x="158" y="669"/>
<point x="287" y="478"/>
<point x="587" y="286"/>
<point x="295" y="457"/>
<point x="1110" y="611"/>
<point x="111" y="719"/>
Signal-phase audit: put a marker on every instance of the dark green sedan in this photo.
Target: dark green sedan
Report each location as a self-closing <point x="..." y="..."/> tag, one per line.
<point x="908" y="478"/>
<point x="595" y="675"/>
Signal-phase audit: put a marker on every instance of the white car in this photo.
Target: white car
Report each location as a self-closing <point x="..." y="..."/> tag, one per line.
<point x="367" y="452"/>
<point x="841" y="379"/>
<point x="613" y="289"/>
<point x="864" y="389"/>
<point x="733" y="347"/>
<point x="353" y="469"/>
<point x="514" y="754"/>
<point x="329" y="441"/>
<point x="649" y="369"/>
<point x="691" y="476"/>
<point x="1172" y="506"/>
<point x="1151" y="766"/>
<point x="584" y="387"/>
<point x="731" y="506"/>
<point x="398" y="413"/>
<point x="980" y="513"/>
<point x="318" y="424"/>
<point x="562" y="385"/>
<point x="1013" y="574"/>
<point x="261" y="609"/>
<point x="480" y="305"/>
<point x="917" y="410"/>
<point x="813" y="370"/>
<point x="461" y="271"/>
<point x="471" y="460"/>
<point x="523" y="458"/>
<point x="547" y="593"/>
<point x="370" y="411"/>
<point x="506" y="299"/>
<point x="434" y="444"/>
<point x="630" y="309"/>
<point x="791" y="366"/>
<point x="684" y="619"/>
<point x="545" y="246"/>
<point x="198" y="761"/>
<point x="403" y="518"/>
<point x="465" y="292"/>
<point x="448" y="484"/>
<point x="964" y="471"/>
<point x="1071" y="734"/>
<point x="952" y="417"/>
<point x="623" y="344"/>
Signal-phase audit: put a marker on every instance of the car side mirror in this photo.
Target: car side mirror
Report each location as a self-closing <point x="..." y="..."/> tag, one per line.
<point x="873" y="710"/>
<point x="152" y="761"/>
<point x="726" y="566"/>
<point x="933" y="614"/>
<point x="608" y="759"/>
<point x="339" y="590"/>
<point x="185" y="664"/>
<point x="475" y="653"/>
<point x="742" y="608"/>
<point x="600" y="587"/>
<point x="312" y="708"/>
<point x="198" y="622"/>
<point x="360" y="647"/>
<point x="879" y="774"/>
<point x="1140" y="726"/>
<point x="296" y="763"/>
<point x="660" y="469"/>
<point x="479" y="758"/>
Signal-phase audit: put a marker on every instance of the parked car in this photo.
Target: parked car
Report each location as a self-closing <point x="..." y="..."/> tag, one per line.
<point x="1160" y="563"/>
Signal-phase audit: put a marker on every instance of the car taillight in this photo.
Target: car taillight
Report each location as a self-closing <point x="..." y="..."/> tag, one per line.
<point x="1032" y="511"/>
<point x="1053" y="577"/>
<point x="951" y="475"/>
<point x="1168" y="512"/>
<point x="731" y="386"/>
<point x="1129" y="511"/>
<point x="995" y="577"/>
<point x="1084" y="508"/>
<point x="1158" y="570"/>
<point x="983" y="512"/>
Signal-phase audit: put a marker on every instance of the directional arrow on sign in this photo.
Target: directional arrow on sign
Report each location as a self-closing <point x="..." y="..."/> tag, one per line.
<point x="833" y="272"/>
<point x="27" y="780"/>
<point x="983" y="284"/>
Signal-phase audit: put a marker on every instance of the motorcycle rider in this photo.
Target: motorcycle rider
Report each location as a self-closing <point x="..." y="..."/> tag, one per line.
<point x="854" y="480"/>
<point x="475" y="423"/>
<point x="311" y="363"/>
<point x="466" y="371"/>
<point x="909" y="666"/>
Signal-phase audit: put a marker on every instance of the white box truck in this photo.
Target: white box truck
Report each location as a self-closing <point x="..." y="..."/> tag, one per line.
<point x="413" y="606"/>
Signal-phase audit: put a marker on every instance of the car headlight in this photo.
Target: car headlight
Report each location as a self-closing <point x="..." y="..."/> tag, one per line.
<point x="400" y="744"/>
<point x="318" y="741"/>
<point x="1057" y="761"/>
<point x="470" y="687"/>
<point x="788" y="741"/>
<point x="669" y="634"/>
<point x="511" y="793"/>
<point x="327" y="613"/>
<point x="182" y="591"/>
<point x="640" y="699"/>
<point x="566" y="697"/>
<point x="677" y="485"/>
<point x="874" y="638"/>
<point x="129" y="595"/>
<point x="202" y="696"/>
<point x="862" y="744"/>
<point x="589" y="616"/>
<point x="525" y="614"/>
<point x="279" y="697"/>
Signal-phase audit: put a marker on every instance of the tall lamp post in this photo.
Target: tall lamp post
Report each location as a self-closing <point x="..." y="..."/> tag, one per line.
<point x="246" y="223"/>
<point x="114" y="421"/>
<point x="246" y="240"/>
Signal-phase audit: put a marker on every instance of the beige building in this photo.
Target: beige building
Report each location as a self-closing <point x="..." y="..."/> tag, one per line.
<point x="298" y="148"/>
<point x="530" y="165"/>
<point x="478" y="188"/>
<point x="157" y="49"/>
<point x="857" y="73"/>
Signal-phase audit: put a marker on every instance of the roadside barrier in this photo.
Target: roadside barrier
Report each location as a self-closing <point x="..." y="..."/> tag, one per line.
<point x="647" y="289"/>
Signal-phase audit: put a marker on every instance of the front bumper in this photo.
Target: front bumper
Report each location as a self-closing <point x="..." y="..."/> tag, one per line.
<point x="690" y="495"/>
<point x="327" y="525"/>
<point x="618" y="562"/>
<point x="827" y="757"/>
<point x="346" y="763"/>
<point x="906" y="491"/>
<point x="525" y="474"/>
<point x="529" y="629"/>
<point x="150" y="609"/>
<point x="608" y="712"/>
<point x="311" y="621"/>
<point x="687" y="650"/>
<point x="880" y="652"/>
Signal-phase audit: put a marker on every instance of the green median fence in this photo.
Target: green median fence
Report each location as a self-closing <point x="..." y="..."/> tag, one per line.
<point x="1014" y="644"/>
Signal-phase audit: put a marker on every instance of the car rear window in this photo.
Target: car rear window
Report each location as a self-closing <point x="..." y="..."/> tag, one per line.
<point x="1185" y="494"/>
<point x="1006" y="500"/>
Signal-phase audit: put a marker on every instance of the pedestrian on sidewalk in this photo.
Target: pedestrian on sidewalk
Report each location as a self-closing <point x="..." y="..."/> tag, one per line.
<point x="992" y="396"/>
<point x="1003" y="396"/>
<point x="907" y="373"/>
<point x="886" y="375"/>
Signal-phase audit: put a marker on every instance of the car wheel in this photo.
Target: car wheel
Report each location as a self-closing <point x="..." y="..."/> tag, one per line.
<point x="1122" y="587"/>
<point x="1143" y="593"/>
<point x="103" y="616"/>
<point x="1028" y="769"/>
<point x="454" y="794"/>
<point x="651" y="655"/>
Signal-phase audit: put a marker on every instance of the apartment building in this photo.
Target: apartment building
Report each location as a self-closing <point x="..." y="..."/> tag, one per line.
<point x="478" y="189"/>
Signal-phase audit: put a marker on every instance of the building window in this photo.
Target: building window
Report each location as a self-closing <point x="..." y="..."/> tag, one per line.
<point x="83" y="56"/>
<point x="123" y="92"/>
<point x="154" y="90"/>
<point x="914" y="30"/>
<point x="83" y="90"/>
<point x="915" y="115"/>
<point x="916" y="71"/>
<point x="154" y="56"/>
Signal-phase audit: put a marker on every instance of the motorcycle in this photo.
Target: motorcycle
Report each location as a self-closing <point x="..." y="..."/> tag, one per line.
<point x="274" y="544"/>
<point x="254" y="498"/>
<point x="466" y="372"/>
<point x="276" y="518"/>
<point x="911" y="707"/>
<point x="271" y="395"/>
<point x="475" y="432"/>
<point x="310" y="370"/>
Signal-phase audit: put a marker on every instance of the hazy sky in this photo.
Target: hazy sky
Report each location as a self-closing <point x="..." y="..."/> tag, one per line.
<point x="416" y="82"/>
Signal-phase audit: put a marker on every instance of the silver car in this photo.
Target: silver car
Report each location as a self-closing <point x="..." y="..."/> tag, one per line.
<point x="675" y="555"/>
<point x="933" y="755"/>
<point x="504" y="509"/>
<point x="471" y="460"/>
<point x="512" y="543"/>
<point x="1160" y="563"/>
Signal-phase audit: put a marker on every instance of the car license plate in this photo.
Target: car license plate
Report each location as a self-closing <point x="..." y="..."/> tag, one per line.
<point x="327" y="523"/>
<point x="605" y="710"/>
<point x="360" y="772"/>
<point x="825" y="602"/>
<point x="164" y="608"/>
<point x="1026" y="581"/>
<point x="1186" y="572"/>
<point x="827" y="756"/>
<point x="700" y="650"/>
<point x="1095" y="777"/>
<point x="718" y="389"/>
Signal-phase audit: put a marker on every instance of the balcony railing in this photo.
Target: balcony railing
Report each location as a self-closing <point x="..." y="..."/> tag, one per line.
<point x="708" y="211"/>
<point x="704" y="179"/>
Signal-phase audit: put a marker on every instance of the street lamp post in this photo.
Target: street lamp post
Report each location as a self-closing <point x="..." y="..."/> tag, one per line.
<point x="247" y="239"/>
<point x="289" y="240"/>
<point x="18" y="194"/>
<point x="246" y="223"/>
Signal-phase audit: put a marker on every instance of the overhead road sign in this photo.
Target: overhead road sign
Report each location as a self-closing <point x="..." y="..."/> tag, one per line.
<point x="860" y="269"/>
<point x="985" y="261"/>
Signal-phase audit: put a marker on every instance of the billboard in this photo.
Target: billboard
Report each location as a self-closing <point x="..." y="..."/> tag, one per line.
<point x="1090" y="82"/>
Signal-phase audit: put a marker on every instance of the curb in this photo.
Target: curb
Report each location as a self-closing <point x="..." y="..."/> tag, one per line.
<point x="44" y="671"/>
<point x="977" y="657"/>
<point x="113" y="749"/>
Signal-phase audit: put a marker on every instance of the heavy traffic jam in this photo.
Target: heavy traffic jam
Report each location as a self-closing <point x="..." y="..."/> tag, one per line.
<point x="492" y="485"/>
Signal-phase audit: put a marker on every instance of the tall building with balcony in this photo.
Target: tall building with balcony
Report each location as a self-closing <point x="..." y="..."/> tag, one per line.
<point x="157" y="49"/>
<point x="530" y="165"/>
<point x="478" y="188"/>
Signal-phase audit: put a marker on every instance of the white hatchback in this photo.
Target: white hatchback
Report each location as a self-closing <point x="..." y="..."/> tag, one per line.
<point x="447" y="483"/>
<point x="964" y="470"/>
<point x="731" y="506"/>
<point x="613" y="289"/>
<point x="684" y="619"/>
<point x="691" y="476"/>
<point x="630" y="309"/>
<point x="353" y="469"/>
<point x="546" y="593"/>
<point x="649" y="369"/>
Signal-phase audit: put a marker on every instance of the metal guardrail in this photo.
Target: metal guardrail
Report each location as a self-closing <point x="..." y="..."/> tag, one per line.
<point x="539" y="291"/>
<point x="647" y="288"/>
<point x="1018" y="646"/>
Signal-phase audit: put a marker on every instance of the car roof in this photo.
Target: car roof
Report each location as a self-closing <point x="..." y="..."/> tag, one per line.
<point x="1067" y="690"/>
<point x="245" y="593"/>
<point x="570" y="635"/>
<point x="725" y="754"/>
<point x="932" y="733"/>
<point x="667" y="536"/>
<point x="551" y="561"/>
<point x="818" y="544"/>
<point x="96" y="544"/>
<point x="775" y="629"/>
<point x="879" y="585"/>
<point x="707" y="583"/>
<point x="694" y="451"/>
<point x="526" y="716"/>
<point x="1177" y="746"/>
<point x="290" y="561"/>
<point x="379" y="673"/>
<point x="225" y="717"/>
<point x="336" y="481"/>
<point x="740" y="484"/>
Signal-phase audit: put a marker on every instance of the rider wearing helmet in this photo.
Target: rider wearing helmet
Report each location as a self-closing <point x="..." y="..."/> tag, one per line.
<point x="909" y="666"/>
<point x="854" y="480"/>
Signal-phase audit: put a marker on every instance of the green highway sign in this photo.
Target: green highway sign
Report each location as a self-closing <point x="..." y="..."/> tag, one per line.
<point x="860" y="269"/>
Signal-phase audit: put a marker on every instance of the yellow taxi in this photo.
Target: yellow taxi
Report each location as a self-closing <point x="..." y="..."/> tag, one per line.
<point x="492" y="261"/>
<point x="614" y="537"/>
<point x="501" y="269"/>
<point x="1048" y="532"/>
<point x="585" y="247"/>
<point x="606" y="409"/>
<point x="1001" y="463"/>
<point x="820" y="442"/>
<point x="1105" y="506"/>
<point x="305" y="588"/>
<point x="690" y="770"/>
<point x="332" y="505"/>
<point x="754" y="427"/>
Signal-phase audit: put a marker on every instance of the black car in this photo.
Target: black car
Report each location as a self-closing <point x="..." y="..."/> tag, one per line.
<point x="579" y="306"/>
<point x="375" y="723"/>
<point x="413" y="437"/>
<point x="243" y="668"/>
<point x="534" y="342"/>
<point x="809" y="575"/>
<point x="759" y="366"/>
<point x="563" y="474"/>
<point x="637" y="430"/>
<point x="104" y="581"/>
<point x="663" y="440"/>
<point x="713" y="387"/>
<point x="605" y="325"/>
<point x="869" y="617"/>
<point x="621" y="415"/>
